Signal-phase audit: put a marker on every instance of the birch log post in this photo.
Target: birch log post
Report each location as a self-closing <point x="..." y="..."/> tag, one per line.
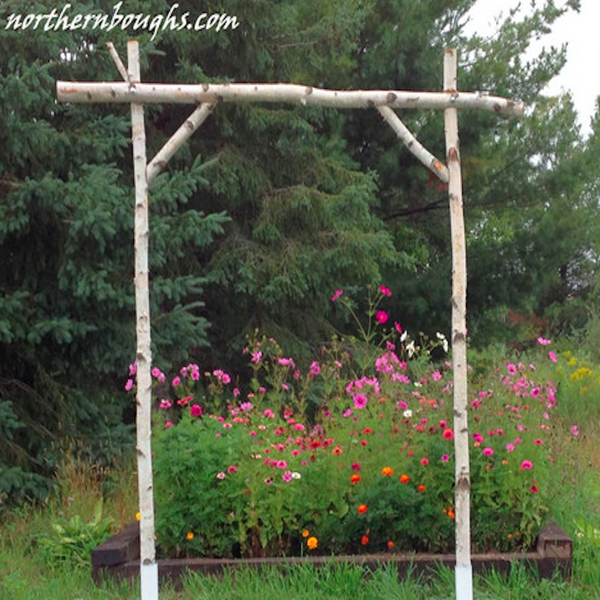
<point x="148" y="565"/>
<point x="463" y="569"/>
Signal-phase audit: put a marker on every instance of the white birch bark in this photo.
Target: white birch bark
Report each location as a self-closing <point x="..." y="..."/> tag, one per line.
<point x="148" y="566"/>
<point x="463" y="571"/>
<point x="412" y="143"/>
<point x="69" y="91"/>
<point x="164" y="155"/>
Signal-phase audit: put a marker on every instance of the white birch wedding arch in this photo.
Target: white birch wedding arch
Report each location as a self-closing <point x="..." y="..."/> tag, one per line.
<point x="206" y="97"/>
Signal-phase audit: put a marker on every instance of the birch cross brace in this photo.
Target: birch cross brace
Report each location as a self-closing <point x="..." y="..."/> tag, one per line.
<point x="161" y="93"/>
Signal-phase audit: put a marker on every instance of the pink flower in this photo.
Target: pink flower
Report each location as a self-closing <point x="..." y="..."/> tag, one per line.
<point x="168" y="424"/>
<point x="287" y="476"/>
<point x="436" y="376"/>
<point x="315" y="369"/>
<point x="196" y="410"/>
<point x="232" y="469"/>
<point x="552" y="356"/>
<point x="511" y="368"/>
<point x="445" y="458"/>
<point x="381" y="316"/>
<point x="575" y="430"/>
<point x="526" y="465"/>
<point x="269" y="413"/>
<point x="543" y="341"/>
<point x="256" y="356"/>
<point x="424" y="461"/>
<point x="336" y="295"/>
<point x="128" y="385"/>
<point x="176" y="381"/>
<point x="385" y="291"/>
<point x="398" y="327"/>
<point x="165" y="404"/>
<point x="236" y="392"/>
<point x="510" y="447"/>
<point x="347" y="413"/>
<point x="220" y="475"/>
<point x="488" y="451"/>
<point x="158" y="374"/>
<point x="360" y="401"/>
<point x="132" y="369"/>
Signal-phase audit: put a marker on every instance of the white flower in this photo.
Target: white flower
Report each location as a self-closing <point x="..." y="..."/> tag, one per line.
<point x="418" y="384"/>
<point x="410" y="348"/>
<point x="296" y="475"/>
<point x="404" y="336"/>
<point x="407" y="414"/>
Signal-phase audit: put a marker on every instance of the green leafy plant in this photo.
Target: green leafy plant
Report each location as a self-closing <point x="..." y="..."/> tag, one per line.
<point x="72" y="540"/>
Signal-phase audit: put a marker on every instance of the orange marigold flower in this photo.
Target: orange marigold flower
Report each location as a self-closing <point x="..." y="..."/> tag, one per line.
<point x="312" y="543"/>
<point x="337" y="450"/>
<point x="387" y="471"/>
<point x="404" y="478"/>
<point x="305" y="533"/>
<point x="390" y="544"/>
<point x="421" y="488"/>
<point x="354" y="478"/>
<point x="189" y="536"/>
<point x="504" y="462"/>
<point x="362" y="509"/>
<point x="450" y="513"/>
<point x="364" y="540"/>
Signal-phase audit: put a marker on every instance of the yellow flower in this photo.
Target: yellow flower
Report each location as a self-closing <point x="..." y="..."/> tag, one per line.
<point x="189" y="536"/>
<point x="312" y="543"/>
<point x="138" y="516"/>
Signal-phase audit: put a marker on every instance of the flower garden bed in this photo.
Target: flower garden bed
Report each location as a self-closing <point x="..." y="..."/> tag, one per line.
<point x="118" y="558"/>
<point x="350" y="458"/>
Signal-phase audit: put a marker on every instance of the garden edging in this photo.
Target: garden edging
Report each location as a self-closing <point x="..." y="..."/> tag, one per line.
<point x="118" y="558"/>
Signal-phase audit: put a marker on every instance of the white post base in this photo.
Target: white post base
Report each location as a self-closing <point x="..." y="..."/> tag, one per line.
<point x="464" y="582"/>
<point x="149" y="581"/>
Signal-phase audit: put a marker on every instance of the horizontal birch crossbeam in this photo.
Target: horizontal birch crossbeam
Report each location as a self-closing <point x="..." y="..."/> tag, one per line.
<point x="163" y="93"/>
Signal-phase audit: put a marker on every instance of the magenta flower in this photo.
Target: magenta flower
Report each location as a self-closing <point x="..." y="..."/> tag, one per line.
<point x="220" y="475"/>
<point x="196" y="410"/>
<point x="511" y="368"/>
<point x="398" y="327"/>
<point x="315" y="369"/>
<point x="436" y="376"/>
<point x="133" y="368"/>
<point x="543" y="342"/>
<point x="445" y="458"/>
<point x="168" y="424"/>
<point x="128" y="385"/>
<point x="256" y="356"/>
<point x="232" y="469"/>
<point x="360" y="401"/>
<point x="488" y="451"/>
<point x="158" y="374"/>
<point x="526" y="465"/>
<point x="381" y="316"/>
<point x="165" y="404"/>
<point x="347" y="413"/>
<point x="336" y="295"/>
<point x="575" y="430"/>
<point x="510" y="447"/>
<point x="552" y="356"/>
<point x="287" y="476"/>
<point x="385" y="291"/>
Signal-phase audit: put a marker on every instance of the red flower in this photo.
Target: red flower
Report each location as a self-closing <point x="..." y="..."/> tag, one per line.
<point x="448" y="434"/>
<point x="355" y="478"/>
<point x="362" y="509"/>
<point x="387" y="471"/>
<point x="364" y="540"/>
<point x="421" y="488"/>
<point x="404" y="478"/>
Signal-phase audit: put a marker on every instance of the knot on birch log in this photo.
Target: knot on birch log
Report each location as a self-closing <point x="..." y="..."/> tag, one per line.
<point x="464" y="483"/>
